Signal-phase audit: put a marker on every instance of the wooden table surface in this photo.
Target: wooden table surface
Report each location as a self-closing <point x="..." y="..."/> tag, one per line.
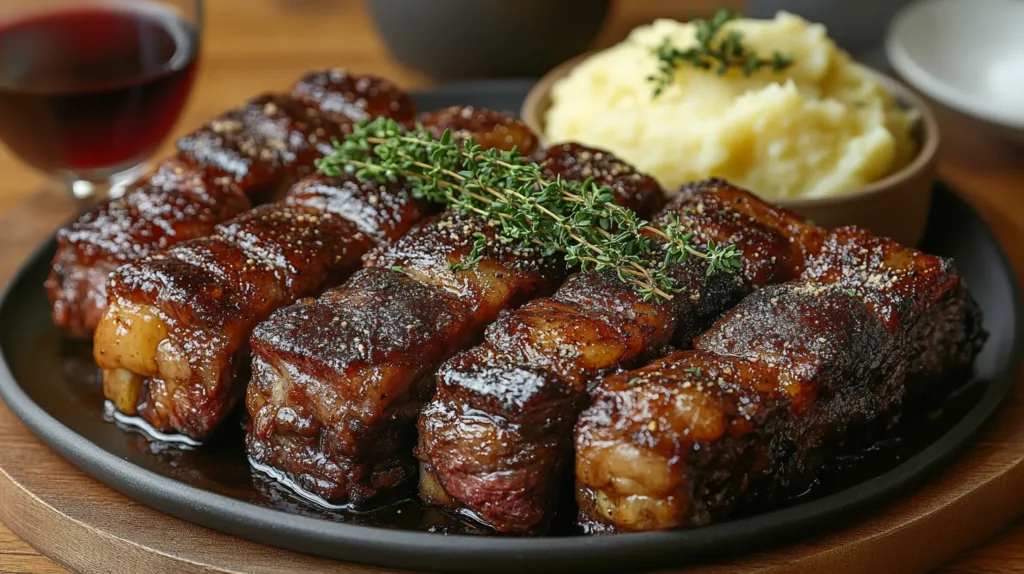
<point x="256" y="45"/>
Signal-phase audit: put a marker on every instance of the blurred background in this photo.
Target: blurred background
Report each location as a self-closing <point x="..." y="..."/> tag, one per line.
<point x="251" y="46"/>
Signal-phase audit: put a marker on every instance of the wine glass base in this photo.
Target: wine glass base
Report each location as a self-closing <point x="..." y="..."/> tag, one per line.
<point x="87" y="189"/>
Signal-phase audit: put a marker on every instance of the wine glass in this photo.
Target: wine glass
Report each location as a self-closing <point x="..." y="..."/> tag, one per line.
<point x="90" y="88"/>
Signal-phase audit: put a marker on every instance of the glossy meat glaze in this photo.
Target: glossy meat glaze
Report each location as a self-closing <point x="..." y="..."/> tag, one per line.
<point x="496" y="384"/>
<point x="174" y="335"/>
<point x="173" y="341"/>
<point x="339" y="381"/>
<point x="775" y="389"/>
<point x="246" y="156"/>
<point x="495" y="442"/>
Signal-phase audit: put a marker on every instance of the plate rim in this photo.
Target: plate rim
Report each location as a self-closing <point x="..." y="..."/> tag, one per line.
<point x="410" y="549"/>
<point x="406" y="549"/>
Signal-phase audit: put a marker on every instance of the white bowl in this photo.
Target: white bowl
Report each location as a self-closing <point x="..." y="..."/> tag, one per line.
<point x="966" y="54"/>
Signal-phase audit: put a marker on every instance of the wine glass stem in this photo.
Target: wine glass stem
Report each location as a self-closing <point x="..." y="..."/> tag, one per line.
<point x="91" y="191"/>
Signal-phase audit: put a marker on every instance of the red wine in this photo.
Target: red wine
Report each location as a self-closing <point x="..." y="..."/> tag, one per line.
<point x="93" y="88"/>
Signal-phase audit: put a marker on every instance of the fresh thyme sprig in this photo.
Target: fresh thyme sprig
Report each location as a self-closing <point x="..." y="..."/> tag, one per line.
<point x="577" y="219"/>
<point x="711" y="52"/>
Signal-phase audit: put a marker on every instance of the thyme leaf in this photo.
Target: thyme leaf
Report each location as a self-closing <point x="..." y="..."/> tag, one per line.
<point x="714" y="51"/>
<point x="578" y="219"/>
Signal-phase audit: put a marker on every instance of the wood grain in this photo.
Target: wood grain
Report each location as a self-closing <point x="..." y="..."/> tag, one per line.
<point x="256" y="45"/>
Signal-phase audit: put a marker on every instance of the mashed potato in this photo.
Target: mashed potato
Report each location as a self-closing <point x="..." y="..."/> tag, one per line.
<point x="821" y="127"/>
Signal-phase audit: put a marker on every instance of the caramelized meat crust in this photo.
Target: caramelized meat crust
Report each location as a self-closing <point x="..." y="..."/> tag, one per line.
<point x="245" y="156"/>
<point x="913" y="293"/>
<point x="340" y="421"/>
<point x="381" y="212"/>
<point x="176" y="330"/>
<point x="346" y="97"/>
<point x="174" y="203"/>
<point x="748" y="222"/>
<point x="389" y="326"/>
<point x="429" y="252"/>
<point x="774" y="390"/>
<point x="496" y="438"/>
<point x="264" y="146"/>
<point x="488" y="128"/>
<point x="324" y="382"/>
<point x="209" y="293"/>
<point x="577" y="162"/>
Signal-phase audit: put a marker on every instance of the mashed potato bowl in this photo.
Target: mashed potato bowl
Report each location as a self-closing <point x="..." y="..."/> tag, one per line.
<point x="832" y="169"/>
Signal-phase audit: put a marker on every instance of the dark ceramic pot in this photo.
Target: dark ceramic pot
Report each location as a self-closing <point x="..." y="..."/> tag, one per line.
<point x="451" y="39"/>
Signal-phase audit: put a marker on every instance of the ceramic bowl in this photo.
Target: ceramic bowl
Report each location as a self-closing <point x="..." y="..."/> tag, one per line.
<point x="968" y="56"/>
<point x="895" y="206"/>
<point x="459" y="39"/>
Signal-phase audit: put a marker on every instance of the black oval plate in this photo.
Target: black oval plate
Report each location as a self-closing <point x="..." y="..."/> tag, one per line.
<point x="53" y="385"/>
